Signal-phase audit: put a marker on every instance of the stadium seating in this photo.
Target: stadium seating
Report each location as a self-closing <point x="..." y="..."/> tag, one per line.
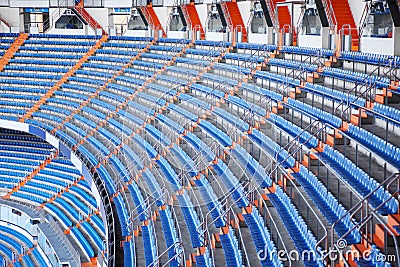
<point x="168" y="124"/>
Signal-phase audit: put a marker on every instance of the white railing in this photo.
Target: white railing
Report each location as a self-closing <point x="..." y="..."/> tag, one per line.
<point x="330" y="13"/>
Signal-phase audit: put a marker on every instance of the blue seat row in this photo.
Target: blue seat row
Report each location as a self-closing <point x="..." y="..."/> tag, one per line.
<point x="41" y="62"/>
<point x="170" y="234"/>
<point x="139" y="72"/>
<point x="384" y="149"/>
<point x="211" y="201"/>
<point x="244" y="57"/>
<point x="27" y="82"/>
<point x="174" y="40"/>
<point x="359" y="180"/>
<point x="63" y="36"/>
<point x="161" y="57"/>
<point x="120" y="88"/>
<point x="91" y="81"/>
<point x="192" y="221"/>
<point x="375" y="59"/>
<point x="93" y="234"/>
<point x="212" y="43"/>
<point x="302" y="237"/>
<point x="203" y="52"/>
<point x="42" y="41"/>
<point x="316" y="112"/>
<point x="130" y="38"/>
<point x="96" y="65"/>
<point x="191" y="61"/>
<point x="128" y="53"/>
<point x="53" y="49"/>
<point x="147" y="64"/>
<point x="30" y="75"/>
<point x="252" y="166"/>
<point x="12" y="242"/>
<point x="163" y="48"/>
<point x="39" y="69"/>
<point x="216" y="133"/>
<point x="304" y="137"/>
<point x="308" y="51"/>
<point x="150" y="245"/>
<point x="109" y="59"/>
<point x="266" y="143"/>
<point x="129" y="254"/>
<point x="335" y="95"/>
<point x="96" y="73"/>
<point x="219" y="79"/>
<point x="230" y="244"/>
<point x="231" y="183"/>
<point x="262" y="238"/>
<point x="82" y="240"/>
<point x="206" y="90"/>
<point x="180" y="70"/>
<point x="251" y="88"/>
<point x="388" y="111"/>
<point x="137" y="46"/>
<point x="333" y="211"/>
<point x="231" y="68"/>
<point x="35" y="56"/>
<point x="261" y="47"/>
<point x="130" y="80"/>
<point x="79" y="88"/>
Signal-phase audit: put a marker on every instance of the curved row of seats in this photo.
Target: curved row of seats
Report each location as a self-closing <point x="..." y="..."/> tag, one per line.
<point x="19" y="249"/>
<point x="105" y="139"/>
<point x="381" y="201"/>
<point x="48" y="188"/>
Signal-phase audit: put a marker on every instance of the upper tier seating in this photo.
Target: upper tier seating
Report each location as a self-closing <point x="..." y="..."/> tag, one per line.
<point x="172" y="123"/>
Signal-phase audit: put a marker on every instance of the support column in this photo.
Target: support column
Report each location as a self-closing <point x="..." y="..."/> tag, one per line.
<point x="396" y="41"/>
<point x="325" y="37"/>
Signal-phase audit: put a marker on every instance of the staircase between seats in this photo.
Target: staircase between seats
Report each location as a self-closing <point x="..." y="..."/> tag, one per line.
<point x="29" y="177"/>
<point x="152" y="19"/>
<point x="63" y="79"/>
<point x="88" y="18"/>
<point x="194" y="19"/>
<point x="12" y="49"/>
<point x="235" y="18"/>
<point x="284" y="18"/>
<point x="344" y="17"/>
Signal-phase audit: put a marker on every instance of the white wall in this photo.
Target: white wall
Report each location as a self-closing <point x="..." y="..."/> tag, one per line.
<point x="244" y="8"/>
<point x="11" y="15"/>
<point x="296" y="15"/>
<point x="83" y="31"/>
<point x="357" y="8"/>
<point x="202" y="11"/>
<point x="169" y="3"/>
<point x="24" y="3"/>
<point x="162" y="14"/>
<point x="100" y="15"/>
<point x="117" y="3"/>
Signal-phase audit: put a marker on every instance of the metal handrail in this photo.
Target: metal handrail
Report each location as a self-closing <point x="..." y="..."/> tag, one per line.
<point x="296" y="140"/>
<point x="325" y="236"/>
<point x="370" y="91"/>
<point x="330" y="14"/>
<point x="226" y="12"/>
<point x="364" y="16"/>
<point x="272" y="12"/>
<point x="372" y="214"/>
<point x="156" y="261"/>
